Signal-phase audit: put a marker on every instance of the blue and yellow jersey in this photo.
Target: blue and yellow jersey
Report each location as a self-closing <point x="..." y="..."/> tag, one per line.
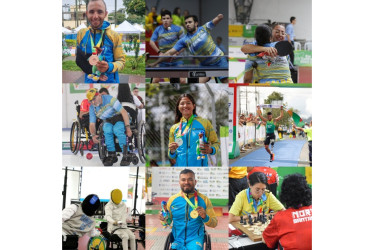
<point x="113" y="52"/>
<point x="186" y="153"/>
<point x="267" y="69"/>
<point x="186" y="228"/>
<point x="110" y="107"/>
<point x="166" y="39"/>
<point x="201" y="43"/>
<point x="243" y="204"/>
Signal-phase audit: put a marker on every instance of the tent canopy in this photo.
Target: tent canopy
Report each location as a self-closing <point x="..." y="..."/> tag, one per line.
<point x="127" y="28"/>
<point x="66" y="31"/>
<point x="139" y="27"/>
<point x="82" y="26"/>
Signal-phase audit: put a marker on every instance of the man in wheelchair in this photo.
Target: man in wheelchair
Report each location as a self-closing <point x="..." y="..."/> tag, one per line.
<point x="116" y="122"/>
<point x="189" y="211"/>
<point x="77" y="221"/>
<point x="116" y="214"/>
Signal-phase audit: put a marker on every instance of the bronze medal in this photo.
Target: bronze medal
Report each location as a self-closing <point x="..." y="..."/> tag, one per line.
<point x="194" y="214"/>
<point x="93" y="60"/>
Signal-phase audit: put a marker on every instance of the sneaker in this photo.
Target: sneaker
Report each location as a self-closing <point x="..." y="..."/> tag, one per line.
<point x="111" y="159"/>
<point x="271" y="157"/>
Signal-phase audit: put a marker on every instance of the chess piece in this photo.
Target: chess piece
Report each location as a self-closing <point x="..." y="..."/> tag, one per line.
<point x="241" y="220"/>
<point x="250" y="220"/>
<point x="245" y="222"/>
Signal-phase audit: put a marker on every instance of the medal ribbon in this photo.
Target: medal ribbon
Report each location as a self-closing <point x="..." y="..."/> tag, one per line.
<point x="254" y="202"/>
<point x="180" y="134"/>
<point x="189" y="202"/>
<point x="97" y="45"/>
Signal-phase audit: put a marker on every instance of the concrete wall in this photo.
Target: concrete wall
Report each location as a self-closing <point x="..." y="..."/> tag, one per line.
<point x="281" y="11"/>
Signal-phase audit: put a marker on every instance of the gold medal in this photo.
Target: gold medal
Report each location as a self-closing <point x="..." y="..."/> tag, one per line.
<point x="194" y="214"/>
<point x="93" y="60"/>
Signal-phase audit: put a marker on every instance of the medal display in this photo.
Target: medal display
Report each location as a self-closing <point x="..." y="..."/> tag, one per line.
<point x="194" y="214"/>
<point x="179" y="141"/>
<point x="93" y="60"/>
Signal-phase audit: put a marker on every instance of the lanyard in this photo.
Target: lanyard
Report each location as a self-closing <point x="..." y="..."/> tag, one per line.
<point x="97" y="45"/>
<point x="189" y="202"/>
<point x="180" y="134"/>
<point x="254" y="202"/>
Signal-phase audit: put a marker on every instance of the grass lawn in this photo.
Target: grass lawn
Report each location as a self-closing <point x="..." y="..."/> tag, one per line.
<point x="140" y="70"/>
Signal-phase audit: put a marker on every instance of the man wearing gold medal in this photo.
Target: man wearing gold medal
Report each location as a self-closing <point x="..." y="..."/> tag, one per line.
<point x="190" y="211"/>
<point x="96" y="38"/>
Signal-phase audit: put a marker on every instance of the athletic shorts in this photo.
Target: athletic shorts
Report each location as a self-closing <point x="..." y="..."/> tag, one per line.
<point x="269" y="137"/>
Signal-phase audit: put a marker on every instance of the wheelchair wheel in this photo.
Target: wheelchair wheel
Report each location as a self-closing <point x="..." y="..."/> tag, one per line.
<point x="102" y="148"/>
<point x="141" y="141"/>
<point x="75" y="137"/>
<point x="96" y="243"/>
<point x="208" y="244"/>
<point x="168" y="242"/>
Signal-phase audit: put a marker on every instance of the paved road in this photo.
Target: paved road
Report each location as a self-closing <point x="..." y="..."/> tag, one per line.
<point x="287" y="154"/>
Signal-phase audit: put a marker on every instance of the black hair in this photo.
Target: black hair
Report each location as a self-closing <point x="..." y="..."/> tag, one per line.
<point x="187" y="171"/>
<point x="295" y="191"/>
<point x="135" y="88"/>
<point x="193" y="17"/>
<point x="262" y="34"/>
<point x="175" y="12"/>
<point x="269" y="113"/>
<point x="104" y="90"/>
<point x="124" y="93"/>
<point x="178" y="114"/>
<point x="275" y="24"/>
<point x="292" y="18"/>
<point x="165" y="12"/>
<point x="258" y="177"/>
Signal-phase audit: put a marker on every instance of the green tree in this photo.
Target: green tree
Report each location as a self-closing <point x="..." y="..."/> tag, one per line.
<point x="135" y="19"/>
<point x="135" y="7"/>
<point x="120" y="17"/>
<point x="286" y="119"/>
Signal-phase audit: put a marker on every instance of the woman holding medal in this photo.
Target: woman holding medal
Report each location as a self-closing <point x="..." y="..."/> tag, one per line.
<point x="184" y="135"/>
<point x="255" y="199"/>
<point x="190" y="211"/>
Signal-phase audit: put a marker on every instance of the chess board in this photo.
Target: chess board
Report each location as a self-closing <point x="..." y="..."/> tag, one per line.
<point x="245" y="230"/>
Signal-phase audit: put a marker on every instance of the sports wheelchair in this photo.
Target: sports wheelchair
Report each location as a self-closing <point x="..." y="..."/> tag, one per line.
<point x="134" y="143"/>
<point x="110" y="240"/>
<point x="80" y="136"/>
<point x="207" y="241"/>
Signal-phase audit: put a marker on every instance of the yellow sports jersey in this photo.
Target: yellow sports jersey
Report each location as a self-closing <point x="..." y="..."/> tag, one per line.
<point x="238" y="172"/>
<point x="267" y="202"/>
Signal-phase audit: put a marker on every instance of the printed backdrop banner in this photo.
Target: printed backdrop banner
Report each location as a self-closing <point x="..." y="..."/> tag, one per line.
<point x="212" y="182"/>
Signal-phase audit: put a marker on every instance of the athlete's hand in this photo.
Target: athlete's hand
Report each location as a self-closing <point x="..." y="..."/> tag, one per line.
<point x="201" y="212"/>
<point x="128" y="132"/>
<point x="220" y="16"/>
<point x="281" y="107"/>
<point x="102" y="66"/>
<point x="173" y="146"/>
<point x="271" y="51"/>
<point x="115" y="223"/>
<point x="95" y="139"/>
<point x="206" y="149"/>
<point x="160" y="217"/>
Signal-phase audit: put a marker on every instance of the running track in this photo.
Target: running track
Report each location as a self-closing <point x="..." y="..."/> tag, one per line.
<point x="287" y="154"/>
